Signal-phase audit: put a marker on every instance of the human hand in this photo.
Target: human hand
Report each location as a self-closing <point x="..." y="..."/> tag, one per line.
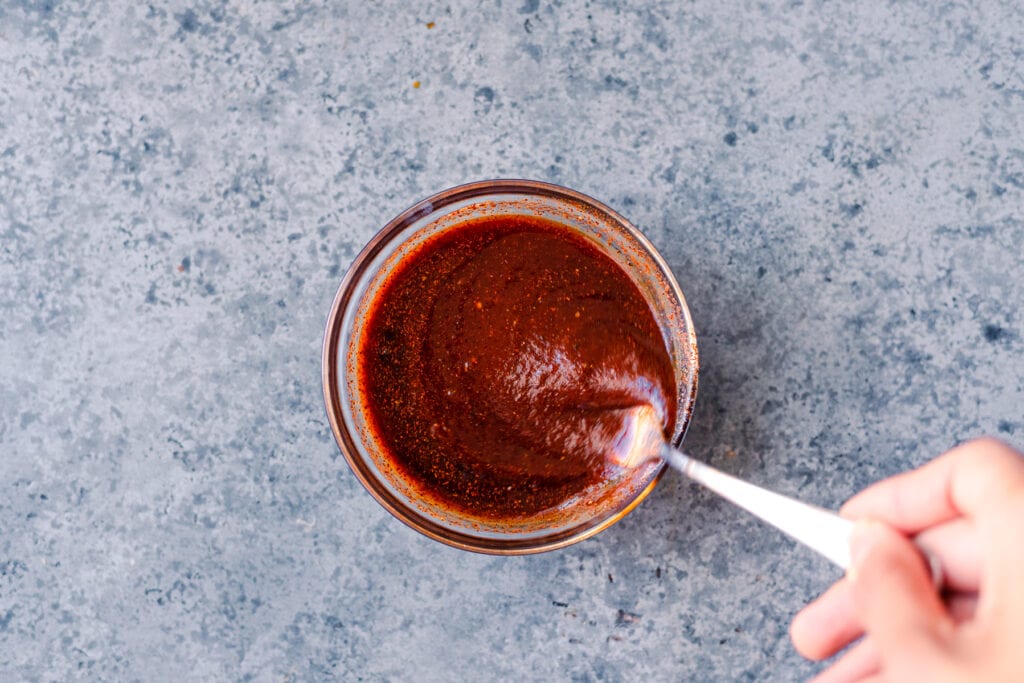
<point x="967" y="509"/>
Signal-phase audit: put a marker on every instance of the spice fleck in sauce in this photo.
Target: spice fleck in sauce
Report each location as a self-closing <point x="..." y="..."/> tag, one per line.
<point x="497" y="363"/>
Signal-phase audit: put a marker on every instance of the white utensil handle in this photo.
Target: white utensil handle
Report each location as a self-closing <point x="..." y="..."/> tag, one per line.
<point x="819" y="529"/>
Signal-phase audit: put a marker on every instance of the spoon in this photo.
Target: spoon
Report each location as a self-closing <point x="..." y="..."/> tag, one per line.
<point x="817" y="528"/>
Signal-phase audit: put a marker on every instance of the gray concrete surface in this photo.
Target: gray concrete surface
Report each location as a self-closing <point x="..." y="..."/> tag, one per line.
<point x="838" y="187"/>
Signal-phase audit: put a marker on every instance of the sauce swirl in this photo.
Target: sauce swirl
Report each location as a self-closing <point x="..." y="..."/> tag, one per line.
<point x="499" y="361"/>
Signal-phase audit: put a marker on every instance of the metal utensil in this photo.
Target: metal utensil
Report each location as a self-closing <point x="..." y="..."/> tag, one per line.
<point x="819" y="529"/>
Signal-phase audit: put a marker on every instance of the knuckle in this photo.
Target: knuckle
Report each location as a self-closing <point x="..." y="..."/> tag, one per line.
<point x="992" y="468"/>
<point x="892" y="555"/>
<point x="991" y="448"/>
<point x="880" y="564"/>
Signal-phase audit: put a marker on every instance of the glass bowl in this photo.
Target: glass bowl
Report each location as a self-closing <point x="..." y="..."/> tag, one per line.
<point x="346" y="325"/>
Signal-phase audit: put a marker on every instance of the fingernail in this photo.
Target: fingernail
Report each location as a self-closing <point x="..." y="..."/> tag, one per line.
<point x="861" y="539"/>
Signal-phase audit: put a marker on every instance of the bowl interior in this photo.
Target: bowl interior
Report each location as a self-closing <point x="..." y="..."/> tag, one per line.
<point x="344" y="392"/>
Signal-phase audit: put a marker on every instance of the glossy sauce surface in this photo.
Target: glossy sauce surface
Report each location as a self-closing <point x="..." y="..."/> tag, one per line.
<point x="498" y="362"/>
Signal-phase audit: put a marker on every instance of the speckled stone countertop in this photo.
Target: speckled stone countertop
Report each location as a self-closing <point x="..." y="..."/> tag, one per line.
<point x="838" y="187"/>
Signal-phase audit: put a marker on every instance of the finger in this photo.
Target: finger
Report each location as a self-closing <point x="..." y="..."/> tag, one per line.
<point x="1002" y="533"/>
<point x="876" y="678"/>
<point x="894" y="600"/>
<point x="957" y="545"/>
<point x="861" y="661"/>
<point x="965" y="480"/>
<point x="827" y="625"/>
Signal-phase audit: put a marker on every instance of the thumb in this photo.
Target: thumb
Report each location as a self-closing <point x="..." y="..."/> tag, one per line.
<point x="895" y="601"/>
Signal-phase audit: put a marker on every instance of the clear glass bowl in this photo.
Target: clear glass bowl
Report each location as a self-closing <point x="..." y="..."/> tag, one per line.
<point x="347" y="321"/>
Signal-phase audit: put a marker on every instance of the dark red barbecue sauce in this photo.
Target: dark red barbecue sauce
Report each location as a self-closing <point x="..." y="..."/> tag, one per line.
<point x="496" y="361"/>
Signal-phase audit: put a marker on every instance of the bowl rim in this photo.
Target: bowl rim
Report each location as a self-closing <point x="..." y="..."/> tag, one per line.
<point x="329" y="368"/>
